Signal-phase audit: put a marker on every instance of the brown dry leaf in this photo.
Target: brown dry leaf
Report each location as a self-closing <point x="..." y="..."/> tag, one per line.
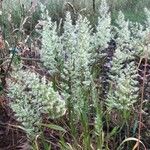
<point x="2" y="101"/>
<point x="24" y="146"/>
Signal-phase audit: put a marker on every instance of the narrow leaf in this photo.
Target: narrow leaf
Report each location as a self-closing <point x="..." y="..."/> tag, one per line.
<point x="54" y="127"/>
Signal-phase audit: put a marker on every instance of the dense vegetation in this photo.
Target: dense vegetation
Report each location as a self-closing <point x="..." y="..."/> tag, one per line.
<point x="71" y="81"/>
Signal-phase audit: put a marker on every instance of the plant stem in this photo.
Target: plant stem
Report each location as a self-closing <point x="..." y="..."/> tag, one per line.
<point x="141" y="104"/>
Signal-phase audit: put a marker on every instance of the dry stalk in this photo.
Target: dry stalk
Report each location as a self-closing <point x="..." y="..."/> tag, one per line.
<point x="145" y="58"/>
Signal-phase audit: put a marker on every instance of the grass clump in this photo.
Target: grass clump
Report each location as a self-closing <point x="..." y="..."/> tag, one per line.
<point x="80" y="62"/>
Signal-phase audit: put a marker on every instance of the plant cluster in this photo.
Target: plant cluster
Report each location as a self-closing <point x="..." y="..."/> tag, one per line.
<point x="74" y="61"/>
<point x="32" y="97"/>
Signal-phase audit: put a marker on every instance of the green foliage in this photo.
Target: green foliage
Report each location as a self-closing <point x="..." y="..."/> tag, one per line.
<point x="76" y="50"/>
<point x="13" y="12"/>
<point x="32" y="97"/>
<point x="51" y="47"/>
<point x="103" y="29"/>
<point x="74" y="60"/>
<point x="70" y="51"/>
<point x="124" y="91"/>
<point x="75" y="75"/>
<point x="101" y="37"/>
<point x="133" y="9"/>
